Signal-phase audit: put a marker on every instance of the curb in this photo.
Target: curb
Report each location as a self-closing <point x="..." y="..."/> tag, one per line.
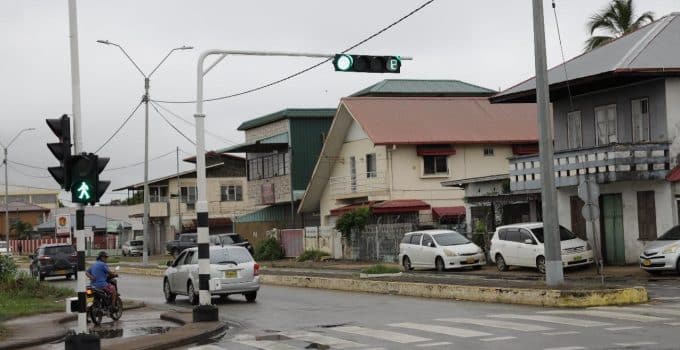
<point x="523" y="296"/>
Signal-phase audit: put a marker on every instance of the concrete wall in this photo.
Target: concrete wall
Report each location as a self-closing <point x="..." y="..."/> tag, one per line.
<point x="267" y="130"/>
<point x="281" y="189"/>
<point x="654" y="90"/>
<point x="32" y="217"/>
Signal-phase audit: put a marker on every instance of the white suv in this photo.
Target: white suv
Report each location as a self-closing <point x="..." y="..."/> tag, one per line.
<point x="439" y="249"/>
<point x="522" y="245"/>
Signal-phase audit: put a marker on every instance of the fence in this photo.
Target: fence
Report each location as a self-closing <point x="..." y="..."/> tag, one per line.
<point x="292" y="242"/>
<point x="28" y="246"/>
<point x="379" y="242"/>
<point x="325" y="238"/>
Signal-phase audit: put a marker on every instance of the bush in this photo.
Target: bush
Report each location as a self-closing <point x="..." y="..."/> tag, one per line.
<point x="380" y="268"/>
<point x="354" y="220"/>
<point x="8" y="268"/>
<point x="312" y="254"/>
<point x="269" y="249"/>
<point x="25" y="286"/>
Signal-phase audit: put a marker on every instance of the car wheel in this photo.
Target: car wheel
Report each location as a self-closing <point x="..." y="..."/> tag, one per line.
<point x="478" y="267"/>
<point x="41" y="277"/>
<point x="540" y="264"/>
<point x="500" y="263"/>
<point x="68" y="277"/>
<point x="406" y="263"/>
<point x="124" y="253"/>
<point x="224" y="298"/>
<point x="250" y="297"/>
<point x="439" y="264"/>
<point x="169" y="295"/>
<point x="191" y="293"/>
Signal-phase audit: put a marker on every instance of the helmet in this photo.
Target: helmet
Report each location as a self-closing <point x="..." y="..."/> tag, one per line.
<point x="102" y="254"/>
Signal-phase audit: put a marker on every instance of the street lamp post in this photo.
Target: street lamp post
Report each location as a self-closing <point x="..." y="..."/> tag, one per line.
<point x="5" y="148"/>
<point x="145" y="99"/>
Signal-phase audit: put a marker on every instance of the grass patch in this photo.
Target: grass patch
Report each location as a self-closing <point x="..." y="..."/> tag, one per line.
<point x="312" y="254"/>
<point x="25" y="296"/>
<point x="380" y="268"/>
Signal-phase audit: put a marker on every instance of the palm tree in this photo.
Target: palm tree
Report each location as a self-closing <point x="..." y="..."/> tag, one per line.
<point x="21" y="229"/>
<point x="617" y="20"/>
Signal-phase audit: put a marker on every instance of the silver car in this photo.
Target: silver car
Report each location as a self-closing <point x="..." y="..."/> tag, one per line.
<point x="134" y="247"/>
<point x="662" y="254"/>
<point x="232" y="271"/>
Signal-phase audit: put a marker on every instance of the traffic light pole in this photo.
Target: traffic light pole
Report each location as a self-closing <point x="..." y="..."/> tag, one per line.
<point x="145" y="219"/>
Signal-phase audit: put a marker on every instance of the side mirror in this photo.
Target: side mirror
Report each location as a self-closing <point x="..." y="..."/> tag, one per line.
<point x="432" y="245"/>
<point x="528" y="241"/>
<point x="169" y="263"/>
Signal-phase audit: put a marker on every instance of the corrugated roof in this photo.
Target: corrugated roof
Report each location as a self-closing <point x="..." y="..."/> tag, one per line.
<point x="288" y="113"/>
<point x="448" y="120"/>
<point x="390" y="87"/>
<point x="654" y="48"/>
<point x="21" y="207"/>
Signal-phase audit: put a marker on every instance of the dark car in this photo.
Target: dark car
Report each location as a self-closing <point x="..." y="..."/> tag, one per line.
<point x="185" y="241"/>
<point x="231" y="239"/>
<point x="54" y="260"/>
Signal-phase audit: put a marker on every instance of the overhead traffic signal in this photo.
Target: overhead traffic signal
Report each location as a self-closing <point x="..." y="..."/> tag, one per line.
<point x="367" y="64"/>
<point x="86" y="188"/>
<point x="61" y="150"/>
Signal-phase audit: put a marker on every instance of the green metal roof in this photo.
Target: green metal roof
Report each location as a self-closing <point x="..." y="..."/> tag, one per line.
<point x="412" y="87"/>
<point x="288" y="113"/>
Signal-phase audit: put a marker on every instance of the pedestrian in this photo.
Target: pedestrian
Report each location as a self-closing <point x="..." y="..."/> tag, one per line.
<point x="20" y="248"/>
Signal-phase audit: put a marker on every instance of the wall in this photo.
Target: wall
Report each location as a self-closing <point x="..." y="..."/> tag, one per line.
<point x="281" y="189"/>
<point x="33" y="218"/>
<point x="654" y="90"/>
<point x="665" y="216"/>
<point x="306" y="136"/>
<point x="267" y="130"/>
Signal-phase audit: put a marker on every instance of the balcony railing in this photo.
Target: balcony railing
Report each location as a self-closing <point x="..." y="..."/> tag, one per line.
<point x="361" y="184"/>
<point x="156" y="210"/>
<point x="610" y="163"/>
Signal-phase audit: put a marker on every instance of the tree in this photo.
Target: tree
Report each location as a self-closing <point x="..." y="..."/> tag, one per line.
<point x="616" y="20"/>
<point x="136" y="198"/>
<point x="355" y="219"/>
<point x="21" y="229"/>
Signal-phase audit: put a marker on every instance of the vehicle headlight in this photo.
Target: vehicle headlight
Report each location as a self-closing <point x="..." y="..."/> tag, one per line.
<point x="673" y="248"/>
<point x="449" y="252"/>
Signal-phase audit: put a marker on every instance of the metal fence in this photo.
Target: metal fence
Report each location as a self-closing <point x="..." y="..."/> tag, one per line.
<point x="379" y="242"/>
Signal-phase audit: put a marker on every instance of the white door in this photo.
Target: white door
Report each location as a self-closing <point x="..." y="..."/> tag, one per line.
<point x="526" y="252"/>
<point x="427" y="253"/>
<point x="183" y="273"/>
<point x="510" y="250"/>
<point x="173" y="277"/>
<point x="415" y="248"/>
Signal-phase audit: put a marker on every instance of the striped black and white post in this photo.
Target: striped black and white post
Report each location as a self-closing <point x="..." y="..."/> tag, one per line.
<point x="82" y="286"/>
<point x="204" y="311"/>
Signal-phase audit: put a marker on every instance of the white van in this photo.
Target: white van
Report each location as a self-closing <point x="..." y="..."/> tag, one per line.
<point x="439" y="249"/>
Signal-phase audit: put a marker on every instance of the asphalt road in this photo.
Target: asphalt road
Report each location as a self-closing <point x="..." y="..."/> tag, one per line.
<point x="296" y="318"/>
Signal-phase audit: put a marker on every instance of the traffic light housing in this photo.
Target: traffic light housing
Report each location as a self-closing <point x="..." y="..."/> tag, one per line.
<point x="367" y="64"/>
<point x="61" y="150"/>
<point x="85" y="187"/>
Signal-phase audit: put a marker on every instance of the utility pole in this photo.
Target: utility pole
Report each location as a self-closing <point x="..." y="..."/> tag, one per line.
<point x="554" y="275"/>
<point x="179" y="198"/>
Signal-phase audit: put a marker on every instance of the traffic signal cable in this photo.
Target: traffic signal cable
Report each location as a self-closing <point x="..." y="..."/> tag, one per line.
<point x="140" y="163"/>
<point x="172" y="125"/>
<point x="276" y="82"/>
<point x="119" y="128"/>
<point x="207" y="132"/>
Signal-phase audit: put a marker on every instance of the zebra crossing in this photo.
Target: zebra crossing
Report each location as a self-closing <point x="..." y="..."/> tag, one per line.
<point x="617" y="327"/>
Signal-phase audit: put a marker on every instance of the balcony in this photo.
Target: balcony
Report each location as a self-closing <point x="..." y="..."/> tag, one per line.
<point x="361" y="185"/>
<point x="156" y="210"/>
<point x="610" y="163"/>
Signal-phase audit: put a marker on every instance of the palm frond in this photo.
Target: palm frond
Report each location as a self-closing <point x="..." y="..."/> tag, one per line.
<point x="599" y="21"/>
<point x="645" y="18"/>
<point x="596" y="41"/>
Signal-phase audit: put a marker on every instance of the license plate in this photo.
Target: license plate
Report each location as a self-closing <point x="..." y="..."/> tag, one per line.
<point x="577" y="258"/>
<point x="229" y="274"/>
<point x="59" y="272"/>
<point x="470" y="260"/>
<point x="90" y="300"/>
<point x="646" y="262"/>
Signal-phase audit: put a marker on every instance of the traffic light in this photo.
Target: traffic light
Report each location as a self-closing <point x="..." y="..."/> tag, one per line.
<point x="61" y="150"/>
<point x="367" y="64"/>
<point x="86" y="188"/>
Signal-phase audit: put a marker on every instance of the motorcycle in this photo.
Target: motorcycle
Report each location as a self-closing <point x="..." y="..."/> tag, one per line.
<point x="99" y="302"/>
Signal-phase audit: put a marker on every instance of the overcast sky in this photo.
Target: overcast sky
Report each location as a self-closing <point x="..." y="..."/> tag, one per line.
<point x="484" y="42"/>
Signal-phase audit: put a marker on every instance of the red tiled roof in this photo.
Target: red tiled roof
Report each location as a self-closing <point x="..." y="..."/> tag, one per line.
<point x="674" y="174"/>
<point x="400" y="206"/>
<point x="440" y="212"/>
<point x="450" y="120"/>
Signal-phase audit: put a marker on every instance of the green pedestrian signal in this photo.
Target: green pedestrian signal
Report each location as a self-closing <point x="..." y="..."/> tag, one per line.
<point x="86" y="187"/>
<point x="84" y="191"/>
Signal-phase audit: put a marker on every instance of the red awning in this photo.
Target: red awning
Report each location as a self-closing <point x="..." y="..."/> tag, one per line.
<point x="525" y="149"/>
<point x="435" y="150"/>
<point x="346" y="209"/>
<point x="674" y="175"/>
<point x="400" y="206"/>
<point x="441" y="212"/>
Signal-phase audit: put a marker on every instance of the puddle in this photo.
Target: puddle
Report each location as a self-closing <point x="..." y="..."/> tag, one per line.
<point x="115" y="331"/>
<point x="272" y="337"/>
<point x="137" y="325"/>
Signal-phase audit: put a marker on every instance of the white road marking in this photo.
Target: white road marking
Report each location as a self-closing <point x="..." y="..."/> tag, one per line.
<point x="456" y="332"/>
<point x="635" y="344"/>
<point x="673" y="323"/>
<point x="380" y="334"/>
<point x="522" y="327"/>
<point x="313" y="337"/>
<point x="429" y="345"/>
<point x="568" y="348"/>
<point x="552" y="319"/>
<point x="496" y="339"/>
<point x="206" y="347"/>
<point x="561" y="333"/>
<point x="667" y="298"/>
<point x="644" y="310"/>
<point x="622" y="328"/>
<point x="607" y="314"/>
<point x="267" y="344"/>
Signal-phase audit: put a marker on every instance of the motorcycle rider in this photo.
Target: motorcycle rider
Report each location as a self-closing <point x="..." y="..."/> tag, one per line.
<point x="99" y="272"/>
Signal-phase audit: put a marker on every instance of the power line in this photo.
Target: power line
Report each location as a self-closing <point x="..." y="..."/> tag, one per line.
<point x="564" y="62"/>
<point x="312" y="66"/>
<point x="194" y="125"/>
<point x="172" y="125"/>
<point x="28" y="165"/>
<point x="29" y="175"/>
<point x="119" y="128"/>
<point x="27" y="186"/>
<point x="139" y="163"/>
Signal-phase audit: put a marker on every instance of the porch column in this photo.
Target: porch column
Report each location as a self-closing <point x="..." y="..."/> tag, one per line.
<point x="533" y="213"/>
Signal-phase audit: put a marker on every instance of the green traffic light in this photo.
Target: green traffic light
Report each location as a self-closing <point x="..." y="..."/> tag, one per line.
<point x="82" y="191"/>
<point x="343" y="62"/>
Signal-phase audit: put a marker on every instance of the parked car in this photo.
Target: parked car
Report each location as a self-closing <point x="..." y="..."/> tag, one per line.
<point x="232" y="271"/>
<point x="231" y="239"/>
<point x="522" y="245"/>
<point x="4" y="248"/>
<point x="185" y="240"/>
<point x="134" y="247"/>
<point x="59" y="259"/>
<point x="663" y="254"/>
<point x="439" y="249"/>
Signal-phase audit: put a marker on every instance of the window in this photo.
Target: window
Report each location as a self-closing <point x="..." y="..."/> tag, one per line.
<point x="231" y="193"/>
<point x="574" y="134"/>
<point x="371" y="165"/>
<point x="426" y="240"/>
<point x="524" y="235"/>
<point x="646" y="216"/>
<point x="640" y="112"/>
<point x="415" y="239"/>
<point x="513" y="235"/>
<point x="188" y="195"/>
<point x="158" y="194"/>
<point x="605" y="125"/>
<point x="353" y="173"/>
<point x="267" y="166"/>
<point x="488" y="151"/>
<point x="435" y="165"/>
<point x="406" y="239"/>
<point x="503" y="235"/>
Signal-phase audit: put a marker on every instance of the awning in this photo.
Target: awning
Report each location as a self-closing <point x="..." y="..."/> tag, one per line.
<point x="525" y="149"/>
<point x="441" y="212"/>
<point x="277" y="143"/>
<point x="674" y="175"/>
<point x="346" y="209"/>
<point x="400" y="206"/>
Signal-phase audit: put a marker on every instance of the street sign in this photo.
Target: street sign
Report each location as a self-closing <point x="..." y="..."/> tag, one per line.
<point x="586" y="186"/>
<point x="63" y="224"/>
<point x="590" y="208"/>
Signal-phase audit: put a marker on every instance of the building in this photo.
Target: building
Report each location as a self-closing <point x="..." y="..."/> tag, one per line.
<point x="106" y="233"/>
<point x="20" y="211"/>
<point x="44" y="197"/>
<point x="281" y="149"/>
<point x="616" y="122"/>
<point x="173" y="199"/>
<point x="391" y="145"/>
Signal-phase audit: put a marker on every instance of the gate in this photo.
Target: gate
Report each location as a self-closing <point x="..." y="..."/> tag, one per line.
<point x="291" y="241"/>
<point x="381" y="242"/>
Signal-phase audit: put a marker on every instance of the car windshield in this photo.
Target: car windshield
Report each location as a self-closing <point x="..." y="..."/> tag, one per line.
<point x="236" y="238"/>
<point x="222" y="256"/>
<point x="671" y="235"/>
<point x="565" y="234"/>
<point x="136" y="243"/>
<point x="227" y="240"/>
<point x="65" y="249"/>
<point x="453" y="238"/>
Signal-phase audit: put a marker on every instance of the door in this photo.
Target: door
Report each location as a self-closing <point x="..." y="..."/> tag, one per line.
<point x="510" y="250"/>
<point x="427" y="253"/>
<point x="612" y="229"/>
<point x="526" y="252"/>
<point x="414" y="249"/>
<point x="174" y="272"/>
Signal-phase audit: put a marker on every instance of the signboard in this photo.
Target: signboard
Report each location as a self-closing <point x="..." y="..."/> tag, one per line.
<point x="63" y="224"/>
<point x="268" y="196"/>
